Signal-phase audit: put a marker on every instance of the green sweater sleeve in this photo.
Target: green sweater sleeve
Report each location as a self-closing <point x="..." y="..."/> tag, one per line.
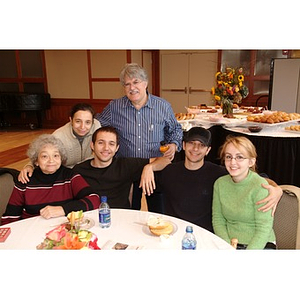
<point x="263" y="225"/>
<point x="218" y="220"/>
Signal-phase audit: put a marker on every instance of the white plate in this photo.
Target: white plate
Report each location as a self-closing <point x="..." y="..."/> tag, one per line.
<point x="203" y="110"/>
<point x="187" y="121"/>
<point x="87" y="223"/>
<point x="266" y="125"/>
<point x="147" y="231"/>
<point x="239" y="110"/>
<point x="292" y="131"/>
<point x="221" y="120"/>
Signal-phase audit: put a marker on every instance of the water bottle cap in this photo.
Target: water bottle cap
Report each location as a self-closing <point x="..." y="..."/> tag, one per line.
<point x="189" y="229"/>
<point x="103" y="199"/>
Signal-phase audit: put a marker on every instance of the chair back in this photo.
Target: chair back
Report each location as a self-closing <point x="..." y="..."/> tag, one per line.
<point x="7" y="181"/>
<point x="287" y="218"/>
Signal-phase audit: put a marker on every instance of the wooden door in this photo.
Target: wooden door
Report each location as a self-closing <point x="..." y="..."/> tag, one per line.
<point x="174" y="80"/>
<point x="187" y="78"/>
<point x="202" y="70"/>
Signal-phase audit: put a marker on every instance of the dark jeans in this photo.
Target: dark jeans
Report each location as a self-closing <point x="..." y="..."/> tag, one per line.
<point x="155" y="202"/>
<point x="269" y="246"/>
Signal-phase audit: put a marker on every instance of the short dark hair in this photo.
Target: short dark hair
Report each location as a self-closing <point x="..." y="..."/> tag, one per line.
<point x="105" y="129"/>
<point x="81" y="106"/>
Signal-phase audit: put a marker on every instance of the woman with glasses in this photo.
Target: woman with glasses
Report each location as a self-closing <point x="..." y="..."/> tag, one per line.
<point x="54" y="190"/>
<point x="235" y="214"/>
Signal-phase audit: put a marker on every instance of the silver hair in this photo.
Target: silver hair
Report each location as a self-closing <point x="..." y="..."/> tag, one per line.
<point x="46" y="139"/>
<point x="133" y="70"/>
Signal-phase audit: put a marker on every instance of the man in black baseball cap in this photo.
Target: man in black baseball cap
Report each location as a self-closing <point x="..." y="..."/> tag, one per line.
<point x="198" y="134"/>
<point x="188" y="184"/>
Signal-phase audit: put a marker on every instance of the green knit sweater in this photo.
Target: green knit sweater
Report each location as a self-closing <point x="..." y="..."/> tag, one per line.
<point x="235" y="213"/>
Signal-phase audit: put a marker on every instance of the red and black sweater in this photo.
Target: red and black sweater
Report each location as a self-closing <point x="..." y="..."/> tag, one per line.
<point x="62" y="188"/>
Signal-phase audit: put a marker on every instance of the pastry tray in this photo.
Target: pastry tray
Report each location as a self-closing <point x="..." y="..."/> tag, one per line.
<point x="268" y="125"/>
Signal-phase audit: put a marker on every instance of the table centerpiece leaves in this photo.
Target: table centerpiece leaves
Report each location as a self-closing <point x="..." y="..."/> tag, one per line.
<point x="69" y="236"/>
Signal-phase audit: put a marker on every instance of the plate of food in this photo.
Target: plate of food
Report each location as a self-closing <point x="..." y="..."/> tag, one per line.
<point x="77" y="218"/>
<point x="213" y="111"/>
<point x="271" y="125"/>
<point x="274" y="119"/>
<point x="157" y="226"/>
<point x="293" y="128"/>
<point x="86" y="223"/>
<point x="200" y="109"/>
<point x="184" y="116"/>
<point x="221" y="120"/>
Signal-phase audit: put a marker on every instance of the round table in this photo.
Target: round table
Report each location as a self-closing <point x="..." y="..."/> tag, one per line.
<point x="127" y="227"/>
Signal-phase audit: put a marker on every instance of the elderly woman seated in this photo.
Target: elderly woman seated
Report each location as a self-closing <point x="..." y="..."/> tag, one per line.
<point x="53" y="190"/>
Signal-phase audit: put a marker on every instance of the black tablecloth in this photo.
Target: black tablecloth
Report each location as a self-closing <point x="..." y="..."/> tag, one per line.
<point x="278" y="157"/>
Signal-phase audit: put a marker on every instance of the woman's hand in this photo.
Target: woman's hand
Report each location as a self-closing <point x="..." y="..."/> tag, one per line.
<point x="52" y="212"/>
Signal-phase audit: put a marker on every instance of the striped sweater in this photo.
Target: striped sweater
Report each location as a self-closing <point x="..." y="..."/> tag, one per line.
<point x="62" y="188"/>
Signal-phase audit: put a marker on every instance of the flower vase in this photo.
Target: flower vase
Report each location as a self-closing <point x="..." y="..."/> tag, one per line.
<point x="227" y="108"/>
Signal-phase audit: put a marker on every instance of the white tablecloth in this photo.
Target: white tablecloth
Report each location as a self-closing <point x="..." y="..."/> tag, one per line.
<point x="241" y="126"/>
<point x="128" y="227"/>
<point x="276" y="130"/>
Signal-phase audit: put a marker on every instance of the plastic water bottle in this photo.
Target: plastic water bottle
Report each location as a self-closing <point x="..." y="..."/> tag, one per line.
<point x="189" y="241"/>
<point x="104" y="213"/>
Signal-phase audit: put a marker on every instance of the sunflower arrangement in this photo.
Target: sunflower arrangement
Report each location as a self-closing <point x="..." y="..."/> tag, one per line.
<point x="230" y="86"/>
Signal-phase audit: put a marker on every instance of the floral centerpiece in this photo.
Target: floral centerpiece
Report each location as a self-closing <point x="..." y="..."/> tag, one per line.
<point x="230" y="88"/>
<point x="69" y="236"/>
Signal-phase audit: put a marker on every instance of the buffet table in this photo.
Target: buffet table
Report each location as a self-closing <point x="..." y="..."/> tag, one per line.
<point x="128" y="227"/>
<point x="278" y="149"/>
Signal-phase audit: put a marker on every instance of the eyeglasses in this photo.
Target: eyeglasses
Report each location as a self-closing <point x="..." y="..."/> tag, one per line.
<point x="238" y="158"/>
<point x="135" y="83"/>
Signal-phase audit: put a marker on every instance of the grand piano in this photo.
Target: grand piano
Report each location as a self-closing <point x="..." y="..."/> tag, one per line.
<point x="22" y="102"/>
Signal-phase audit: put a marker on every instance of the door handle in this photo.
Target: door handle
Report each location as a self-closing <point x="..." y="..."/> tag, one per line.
<point x="176" y="90"/>
<point x="197" y="90"/>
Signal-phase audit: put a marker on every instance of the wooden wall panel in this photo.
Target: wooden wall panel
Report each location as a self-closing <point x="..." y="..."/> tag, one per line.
<point x="107" y="63"/>
<point x="137" y="57"/>
<point x="105" y="90"/>
<point x="59" y="113"/>
<point x="90" y="76"/>
<point x="67" y="73"/>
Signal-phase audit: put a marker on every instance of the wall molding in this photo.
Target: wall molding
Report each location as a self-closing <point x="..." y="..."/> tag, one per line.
<point x="59" y="113"/>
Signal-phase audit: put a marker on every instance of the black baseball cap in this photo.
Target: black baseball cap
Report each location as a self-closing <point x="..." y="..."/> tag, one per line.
<point x="198" y="134"/>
